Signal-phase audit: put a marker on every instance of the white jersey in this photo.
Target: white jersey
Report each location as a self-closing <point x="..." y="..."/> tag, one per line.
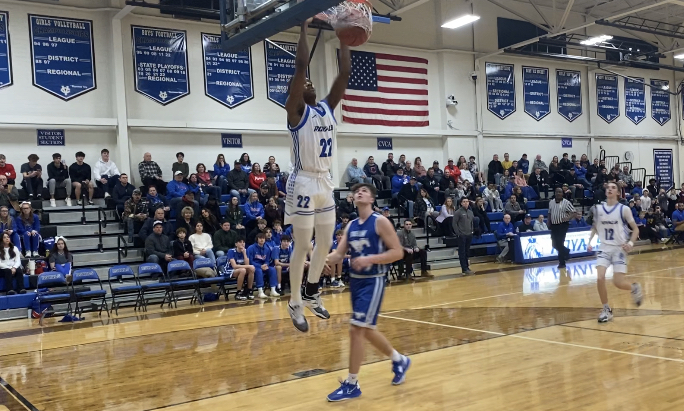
<point x="313" y="139"/>
<point x="612" y="223"/>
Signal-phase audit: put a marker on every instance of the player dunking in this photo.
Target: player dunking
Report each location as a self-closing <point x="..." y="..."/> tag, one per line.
<point x="610" y="222"/>
<point x="373" y="244"/>
<point x="309" y="203"/>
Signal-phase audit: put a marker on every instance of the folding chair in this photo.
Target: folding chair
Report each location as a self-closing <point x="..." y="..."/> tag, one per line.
<point x="183" y="284"/>
<point x="229" y="281"/>
<point x="88" y="277"/>
<point x="129" y="286"/>
<point x="219" y="280"/>
<point x="154" y="290"/>
<point x="52" y="280"/>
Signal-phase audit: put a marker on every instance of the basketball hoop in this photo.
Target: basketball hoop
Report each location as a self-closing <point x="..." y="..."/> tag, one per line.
<point x="349" y="13"/>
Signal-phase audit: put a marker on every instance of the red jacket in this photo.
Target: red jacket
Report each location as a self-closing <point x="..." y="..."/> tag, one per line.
<point x="8" y="170"/>
<point x="255" y="180"/>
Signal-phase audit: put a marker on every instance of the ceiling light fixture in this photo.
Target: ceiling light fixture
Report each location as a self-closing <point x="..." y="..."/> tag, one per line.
<point x="461" y="21"/>
<point x="596" y="40"/>
<point x="679" y="56"/>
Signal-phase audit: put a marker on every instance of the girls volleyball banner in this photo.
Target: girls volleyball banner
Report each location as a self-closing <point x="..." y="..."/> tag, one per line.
<point x="5" y="62"/>
<point x="635" y="99"/>
<point x="569" y="93"/>
<point x="227" y="76"/>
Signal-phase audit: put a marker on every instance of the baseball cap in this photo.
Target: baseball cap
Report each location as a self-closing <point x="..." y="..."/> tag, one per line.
<point x="413" y="177"/>
<point x="137" y="191"/>
<point x="435" y="162"/>
<point x="451" y="160"/>
<point x="177" y="173"/>
<point x="385" y="209"/>
<point x="528" y="216"/>
<point x="157" y="222"/>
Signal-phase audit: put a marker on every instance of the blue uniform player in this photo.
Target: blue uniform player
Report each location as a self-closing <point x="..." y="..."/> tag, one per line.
<point x="281" y="256"/>
<point x="373" y="245"/>
<point x="260" y="257"/>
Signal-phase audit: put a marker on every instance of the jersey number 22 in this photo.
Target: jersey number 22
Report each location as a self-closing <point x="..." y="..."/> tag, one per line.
<point x="326" y="147"/>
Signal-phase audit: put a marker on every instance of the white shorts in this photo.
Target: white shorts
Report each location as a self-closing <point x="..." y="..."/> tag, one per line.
<point x="612" y="255"/>
<point x="309" y="200"/>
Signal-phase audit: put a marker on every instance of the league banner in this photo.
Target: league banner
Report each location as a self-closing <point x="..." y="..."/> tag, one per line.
<point x="660" y="101"/>
<point x="5" y="54"/>
<point x="227" y="76"/>
<point x="500" y="89"/>
<point x="662" y="162"/>
<point x="536" y="92"/>
<point x="280" y="67"/>
<point x="635" y="99"/>
<point x="607" y="97"/>
<point x="569" y="91"/>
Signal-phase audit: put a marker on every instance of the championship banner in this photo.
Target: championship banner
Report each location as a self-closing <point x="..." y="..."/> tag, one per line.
<point x="635" y="99"/>
<point x="536" y="92"/>
<point x="227" y="76"/>
<point x="660" y="101"/>
<point x="5" y="54"/>
<point x="607" y="97"/>
<point x="500" y="89"/>
<point x="280" y="67"/>
<point x="569" y="91"/>
<point x="662" y="162"/>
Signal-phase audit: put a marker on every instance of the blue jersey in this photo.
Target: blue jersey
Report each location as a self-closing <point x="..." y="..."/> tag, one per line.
<point x="234" y="254"/>
<point x="282" y="255"/>
<point x="259" y="255"/>
<point x="364" y="240"/>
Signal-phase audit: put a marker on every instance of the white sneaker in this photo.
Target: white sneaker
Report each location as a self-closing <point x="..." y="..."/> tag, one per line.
<point x="79" y="202"/>
<point x="340" y="284"/>
<point x="606" y="315"/>
<point x="274" y="293"/>
<point x="297" y="315"/>
<point x="53" y="203"/>
<point x="68" y="202"/>
<point x="637" y="294"/>
<point x="36" y="254"/>
<point x="107" y="195"/>
<point x="27" y="254"/>
<point x="261" y="294"/>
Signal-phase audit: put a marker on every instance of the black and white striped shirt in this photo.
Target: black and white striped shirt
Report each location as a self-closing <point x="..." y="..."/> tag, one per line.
<point x="560" y="212"/>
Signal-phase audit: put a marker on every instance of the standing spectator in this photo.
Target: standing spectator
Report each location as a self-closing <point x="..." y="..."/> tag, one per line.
<point x="246" y="163"/>
<point x="539" y="183"/>
<point x="539" y="224"/>
<point x="431" y="184"/>
<point x="507" y="163"/>
<point x="526" y="225"/>
<point x="122" y="192"/>
<point x="81" y="179"/>
<point x="167" y="228"/>
<point x="256" y="177"/>
<point x="202" y="245"/>
<point x="221" y="170"/>
<point x="238" y="183"/>
<point x="151" y="174"/>
<point x="373" y="171"/>
<point x="58" y="176"/>
<point x="356" y="174"/>
<point x="389" y="167"/>
<point x="158" y="247"/>
<point x="235" y="215"/>
<point x="7" y="170"/>
<point x="494" y="170"/>
<point x="205" y="182"/>
<point x="398" y="181"/>
<point x="253" y="210"/>
<point x="28" y="228"/>
<point x="8" y="195"/>
<point x="446" y="217"/>
<point x="32" y="182"/>
<point x="224" y="239"/>
<point x="182" y="247"/>
<point x="135" y="213"/>
<point x="260" y="257"/>
<point x="464" y="227"/>
<point x="180" y="165"/>
<point x="407" y="195"/>
<point x="560" y="213"/>
<point x="156" y="201"/>
<point x="505" y="233"/>
<point x="410" y="246"/>
<point x="10" y="266"/>
<point x="646" y="200"/>
<point x="481" y="216"/>
<point x="538" y="163"/>
<point x="513" y="209"/>
<point x="271" y="168"/>
<point x="524" y="164"/>
<point x="105" y="173"/>
<point x="493" y="197"/>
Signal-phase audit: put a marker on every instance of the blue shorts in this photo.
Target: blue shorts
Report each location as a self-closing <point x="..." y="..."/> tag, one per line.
<point x="366" y="295"/>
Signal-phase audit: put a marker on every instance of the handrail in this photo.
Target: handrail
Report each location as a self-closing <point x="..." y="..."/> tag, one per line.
<point x="121" y="251"/>
<point x="101" y="223"/>
<point x="83" y="207"/>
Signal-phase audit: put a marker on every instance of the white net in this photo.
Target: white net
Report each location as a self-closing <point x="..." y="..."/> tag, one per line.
<point x="349" y="14"/>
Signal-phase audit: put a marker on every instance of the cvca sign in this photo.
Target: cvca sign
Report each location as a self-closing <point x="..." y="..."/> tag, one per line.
<point x="384" y="143"/>
<point x="566" y="143"/>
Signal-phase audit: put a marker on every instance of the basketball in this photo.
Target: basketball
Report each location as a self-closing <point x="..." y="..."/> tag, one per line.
<point x="352" y="36"/>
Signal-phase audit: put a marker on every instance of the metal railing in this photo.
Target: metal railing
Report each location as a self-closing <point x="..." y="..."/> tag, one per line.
<point x="122" y="251"/>
<point x="611" y="161"/>
<point x="101" y="223"/>
<point x="83" y="207"/>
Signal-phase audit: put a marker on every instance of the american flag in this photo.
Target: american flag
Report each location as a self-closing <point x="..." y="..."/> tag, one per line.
<point x="387" y="90"/>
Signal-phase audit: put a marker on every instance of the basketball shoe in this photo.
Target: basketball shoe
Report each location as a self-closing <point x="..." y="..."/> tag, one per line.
<point x="399" y="369"/>
<point x="347" y="391"/>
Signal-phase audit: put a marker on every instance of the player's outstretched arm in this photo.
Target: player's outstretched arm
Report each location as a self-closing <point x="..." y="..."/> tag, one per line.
<point x="294" y="105"/>
<point x="340" y="84"/>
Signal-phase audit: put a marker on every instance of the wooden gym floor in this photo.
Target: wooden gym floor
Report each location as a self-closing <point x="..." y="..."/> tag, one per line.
<point x="511" y="339"/>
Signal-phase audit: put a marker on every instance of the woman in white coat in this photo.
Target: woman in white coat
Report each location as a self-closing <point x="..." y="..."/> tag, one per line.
<point x="10" y="266"/>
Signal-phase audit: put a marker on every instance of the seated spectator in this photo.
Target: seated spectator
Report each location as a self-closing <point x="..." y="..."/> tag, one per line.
<point x="202" y="244"/>
<point x="389" y="167"/>
<point x="273" y="211"/>
<point x="507" y="163"/>
<point x="260" y="257"/>
<point x="175" y="191"/>
<point x="386" y="214"/>
<point x="240" y="268"/>
<point x="581" y="175"/>
<point x="158" y="247"/>
<point x="264" y="194"/>
<point x="678" y="218"/>
<point x="205" y="182"/>
<point x="592" y="170"/>
<point x="494" y="170"/>
<point x="158" y="215"/>
<point x="182" y="247"/>
<point x="259" y="228"/>
<point x="481" y="216"/>
<point x="637" y="190"/>
<point x="235" y="215"/>
<point x="646" y="231"/>
<point x="431" y="184"/>
<point x="356" y="174"/>
<point x="253" y="210"/>
<point x="344" y="220"/>
<point x="575" y="187"/>
<point x="568" y="194"/>
<point x="155" y="201"/>
<point x="32" y="173"/>
<point x="513" y="209"/>
<point x="513" y="169"/>
<point x="526" y="225"/>
<point x="10" y="266"/>
<point x="272" y="186"/>
<point x="504" y="235"/>
<point x="504" y="181"/>
<point x="601" y="179"/>
<point x="465" y="173"/>
<point x="281" y="256"/>
<point x="646" y="200"/>
<point x="540" y="225"/>
<point x="451" y="190"/>
<point x="493" y="198"/>
<point x="209" y="221"/>
<point x="180" y="165"/>
<point x="539" y="183"/>
<point x="657" y="221"/>
<point x="584" y="161"/>
<point x="461" y="160"/>
<point x="58" y="177"/>
<point x="524" y="164"/>
<point x="281" y="185"/>
<point x="196" y="190"/>
<point x="424" y="206"/>
<point x="565" y="163"/>
<point x="151" y="173"/>
<point x="626" y="176"/>
<point x="246" y="163"/>
<point x="347" y="206"/>
<point x="578" y="222"/>
<point x="271" y="168"/>
<point x="454" y="171"/>
<point x="398" y="181"/>
<point x="475" y="171"/>
<point x="238" y="183"/>
<point x="522" y="200"/>
<point x="221" y="170"/>
<point x="407" y="195"/>
<point x="9" y="195"/>
<point x="60" y="259"/>
<point x="372" y="170"/>
<point x="556" y="174"/>
<point x="277" y="231"/>
<point x="419" y="169"/>
<point x="224" y="239"/>
<point x="256" y="177"/>
<point x="122" y="192"/>
<point x="28" y="228"/>
<point x="402" y="162"/>
<point x="135" y="212"/>
<point x="8" y="223"/>
<point x="7" y="170"/>
<point x="186" y="219"/>
<point x="81" y="179"/>
<point x="408" y="170"/>
<point x="105" y="173"/>
<point x="410" y="246"/>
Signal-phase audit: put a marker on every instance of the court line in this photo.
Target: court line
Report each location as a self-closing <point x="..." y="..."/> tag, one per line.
<point x="15" y="394"/>
<point x="620" y="332"/>
<point x="536" y="339"/>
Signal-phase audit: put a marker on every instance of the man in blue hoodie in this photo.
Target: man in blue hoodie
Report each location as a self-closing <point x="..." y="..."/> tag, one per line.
<point x="175" y="190"/>
<point x="524" y="164"/>
<point x="259" y="255"/>
<point x="505" y="233"/>
<point x="581" y="175"/>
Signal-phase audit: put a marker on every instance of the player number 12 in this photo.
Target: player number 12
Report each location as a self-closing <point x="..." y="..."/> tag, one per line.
<point x="609" y="233"/>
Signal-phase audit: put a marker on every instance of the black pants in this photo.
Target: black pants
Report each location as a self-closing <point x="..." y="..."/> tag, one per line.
<point x="33" y="186"/>
<point x="408" y="260"/>
<point x="448" y="227"/>
<point x="558" y="232"/>
<point x="464" y="250"/>
<point x="13" y="282"/>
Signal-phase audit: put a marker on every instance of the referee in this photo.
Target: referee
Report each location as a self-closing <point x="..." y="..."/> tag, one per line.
<point x="560" y="213"/>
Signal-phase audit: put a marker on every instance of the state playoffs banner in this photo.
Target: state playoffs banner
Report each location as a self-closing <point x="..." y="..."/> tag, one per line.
<point x="161" y="63"/>
<point x="536" y="92"/>
<point x="5" y="54"/>
<point x="227" y="76"/>
<point x="660" y="101"/>
<point x="62" y="55"/>
<point x="607" y="97"/>
<point x="569" y="91"/>
<point x="635" y="99"/>
<point x="662" y="161"/>
<point x="500" y="89"/>
<point x="280" y="67"/>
